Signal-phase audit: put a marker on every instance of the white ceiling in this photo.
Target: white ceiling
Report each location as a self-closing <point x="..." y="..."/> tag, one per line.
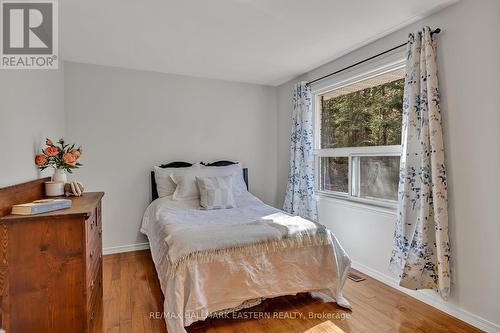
<point x="256" y="41"/>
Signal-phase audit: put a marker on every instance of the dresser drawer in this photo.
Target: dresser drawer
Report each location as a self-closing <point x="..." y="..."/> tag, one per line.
<point x="94" y="241"/>
<point x="94" y="259"/>
<point x="99" y="214"/>
<point x="92" y="227"/>
<point x="94" y="286"/>
<point x="94" y="309"/>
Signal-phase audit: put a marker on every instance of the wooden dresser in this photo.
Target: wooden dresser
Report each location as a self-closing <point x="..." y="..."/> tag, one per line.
<point x="51" y="265"/>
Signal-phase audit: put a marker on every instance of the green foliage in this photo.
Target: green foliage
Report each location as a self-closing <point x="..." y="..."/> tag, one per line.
<point x="369" y="117"/>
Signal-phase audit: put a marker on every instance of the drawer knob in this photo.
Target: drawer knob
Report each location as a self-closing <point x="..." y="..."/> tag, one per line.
<point x="92" y="283"/>
<point x="92" y="253"/>
<point x="100" y="232"/>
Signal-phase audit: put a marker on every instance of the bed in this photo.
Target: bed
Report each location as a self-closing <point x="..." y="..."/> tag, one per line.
<point x="200" y="280"/>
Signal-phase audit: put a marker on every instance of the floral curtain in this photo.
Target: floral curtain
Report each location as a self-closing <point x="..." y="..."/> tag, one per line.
<point x="421" y="248"/>
<point x="299" y="199"/>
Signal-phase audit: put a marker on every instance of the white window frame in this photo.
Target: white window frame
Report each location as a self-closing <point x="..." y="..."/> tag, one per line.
<point x="396" y="61"/>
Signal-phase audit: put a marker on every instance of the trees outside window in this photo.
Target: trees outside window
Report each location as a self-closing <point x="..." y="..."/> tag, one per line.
<point x="359" y="138"/>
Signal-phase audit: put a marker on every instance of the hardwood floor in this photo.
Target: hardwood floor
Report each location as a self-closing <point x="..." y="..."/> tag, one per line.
<point x="132" y="296"/>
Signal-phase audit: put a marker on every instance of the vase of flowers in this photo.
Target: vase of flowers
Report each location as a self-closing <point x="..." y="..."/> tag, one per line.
<point x="61" y="156"/>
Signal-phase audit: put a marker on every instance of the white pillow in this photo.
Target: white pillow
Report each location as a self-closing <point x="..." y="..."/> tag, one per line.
<point x="185" y="182"/>
<point x="216" y="192"/>
<point x="234" y="170"/>
<point x="164" y="184"/>
<point x="186" y="187"/>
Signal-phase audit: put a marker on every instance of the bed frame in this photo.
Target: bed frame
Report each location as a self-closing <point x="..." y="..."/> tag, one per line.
<point x="154" y="192"/>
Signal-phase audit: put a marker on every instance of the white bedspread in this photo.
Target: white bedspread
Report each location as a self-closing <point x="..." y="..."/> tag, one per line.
<point x="225" y="282"/>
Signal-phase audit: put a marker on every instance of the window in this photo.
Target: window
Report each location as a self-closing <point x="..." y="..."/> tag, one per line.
<point x="359" y="137"/>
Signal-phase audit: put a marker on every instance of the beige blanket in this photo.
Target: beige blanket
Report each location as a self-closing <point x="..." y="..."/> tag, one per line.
<point x="271" y="233"/>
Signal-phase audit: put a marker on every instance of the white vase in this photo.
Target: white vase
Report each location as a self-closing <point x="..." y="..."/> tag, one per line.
<point x="59" y="176"/>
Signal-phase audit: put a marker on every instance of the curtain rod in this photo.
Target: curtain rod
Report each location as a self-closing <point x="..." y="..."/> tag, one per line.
<point x="438" y="30"/>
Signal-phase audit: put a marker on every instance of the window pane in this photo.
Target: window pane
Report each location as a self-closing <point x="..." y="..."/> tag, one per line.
<point x="378" y="177"/>
<point x="366" y="113"/>
<point x="334" y="174"/>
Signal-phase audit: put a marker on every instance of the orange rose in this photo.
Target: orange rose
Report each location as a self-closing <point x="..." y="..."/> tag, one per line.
<point x="69" y="158"/>
<point x="75" y="153"/>
<point x="49" y="142"/>
<point x="51" y="151"/>
<point x="40" y="159"/>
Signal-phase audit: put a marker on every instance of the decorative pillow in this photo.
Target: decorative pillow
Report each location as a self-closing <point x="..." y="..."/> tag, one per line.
<point x="216" y="192"/>
<point x="164" y="184"/>
<point x="186" y="187"/>
<point x="234" y="170"/>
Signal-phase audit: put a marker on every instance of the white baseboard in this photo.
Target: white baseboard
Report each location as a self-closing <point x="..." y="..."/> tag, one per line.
<point x="125" y="248"/>
<point x="432" y="299"/>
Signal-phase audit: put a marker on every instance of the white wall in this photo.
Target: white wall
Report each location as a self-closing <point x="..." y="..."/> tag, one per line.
<point x="469" y="68"/>
<point x="31" y="108"/>
<point x="128" y="121"/>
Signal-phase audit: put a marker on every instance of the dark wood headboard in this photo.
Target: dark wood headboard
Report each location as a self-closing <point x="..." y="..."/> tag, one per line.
<point x="154" y="192"/>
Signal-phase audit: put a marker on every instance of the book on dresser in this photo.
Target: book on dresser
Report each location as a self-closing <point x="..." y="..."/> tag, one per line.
<point x="40" y="206"/>
<point x="50" y="264"/>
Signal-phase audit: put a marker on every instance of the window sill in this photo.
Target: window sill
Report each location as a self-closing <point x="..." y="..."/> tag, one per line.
<point x="360" y="204"/>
